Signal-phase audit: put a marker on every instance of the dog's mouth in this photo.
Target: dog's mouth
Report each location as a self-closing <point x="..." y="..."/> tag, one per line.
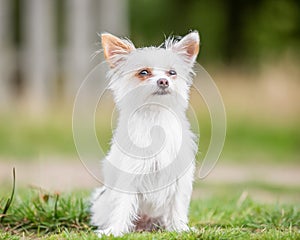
<point x="162" y="92"/>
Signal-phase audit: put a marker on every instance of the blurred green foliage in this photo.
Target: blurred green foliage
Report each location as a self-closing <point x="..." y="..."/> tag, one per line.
<point x="232" y="31"/>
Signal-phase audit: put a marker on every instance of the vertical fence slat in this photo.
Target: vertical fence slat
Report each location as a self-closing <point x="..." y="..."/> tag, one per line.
<point x="39" y="53"/>
<point x="79" y="42"/>
<point x="84" y="18"/>
<point x="113" y="16"/>
<point x="6" y="54"/>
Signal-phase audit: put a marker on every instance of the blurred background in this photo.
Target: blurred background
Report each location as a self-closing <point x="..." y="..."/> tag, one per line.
<point x="250" y="48"/>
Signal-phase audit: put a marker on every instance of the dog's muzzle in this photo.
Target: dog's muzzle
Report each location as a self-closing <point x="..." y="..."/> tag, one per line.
<point x="163" y="85"/>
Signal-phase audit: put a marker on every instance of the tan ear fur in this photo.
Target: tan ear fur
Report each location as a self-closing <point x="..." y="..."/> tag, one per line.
<point x="192" y="48"/>
<point x="189" y="45"/>
<point x="114" y="46"/>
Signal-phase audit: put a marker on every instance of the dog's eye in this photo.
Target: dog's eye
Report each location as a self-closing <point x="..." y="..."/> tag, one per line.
<point x="144" y="72"/>
<point x="172" y="72"/>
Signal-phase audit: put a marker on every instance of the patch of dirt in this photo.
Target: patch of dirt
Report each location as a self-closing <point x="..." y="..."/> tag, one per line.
<point x="69" y="174"/>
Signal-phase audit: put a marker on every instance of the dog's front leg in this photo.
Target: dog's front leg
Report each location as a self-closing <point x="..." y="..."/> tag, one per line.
<point x="177" y="219"/>
<point x="177" y="216"/>
<point x="122" y="217"/>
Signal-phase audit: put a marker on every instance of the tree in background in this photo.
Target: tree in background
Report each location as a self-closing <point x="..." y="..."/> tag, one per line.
<point x="233" y="31"/>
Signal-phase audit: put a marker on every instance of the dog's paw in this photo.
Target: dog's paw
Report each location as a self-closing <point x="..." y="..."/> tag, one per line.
<point x="103" y="232"/>
<point x="107" y="232"/>
<point x="194" y="230"/>
<point x="179" y="227"/>
<point x="182" y="228"/>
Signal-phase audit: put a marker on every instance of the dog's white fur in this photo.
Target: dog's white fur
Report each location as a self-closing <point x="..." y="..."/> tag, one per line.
<point x="161" y="191"/>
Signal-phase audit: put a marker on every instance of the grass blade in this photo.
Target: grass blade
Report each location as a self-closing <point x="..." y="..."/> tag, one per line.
<point x="9" y="201"/>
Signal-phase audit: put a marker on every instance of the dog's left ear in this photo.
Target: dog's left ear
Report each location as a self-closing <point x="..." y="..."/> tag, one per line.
<point x="188" y="46"/>
<point x="115" y="48"/>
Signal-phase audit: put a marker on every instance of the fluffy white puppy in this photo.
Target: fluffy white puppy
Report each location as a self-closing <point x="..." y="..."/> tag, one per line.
<point x="148" y="172"/>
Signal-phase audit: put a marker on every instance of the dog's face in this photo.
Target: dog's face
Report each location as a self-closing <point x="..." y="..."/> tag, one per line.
<point x="151" y="73"/>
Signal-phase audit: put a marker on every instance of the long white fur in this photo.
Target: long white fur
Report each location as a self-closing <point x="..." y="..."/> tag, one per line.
<point x="113" y="211"/>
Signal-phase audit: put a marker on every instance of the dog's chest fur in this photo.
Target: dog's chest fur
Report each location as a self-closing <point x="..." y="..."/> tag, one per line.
<point x="159" y="132"/>
<point x="152" y="138"/>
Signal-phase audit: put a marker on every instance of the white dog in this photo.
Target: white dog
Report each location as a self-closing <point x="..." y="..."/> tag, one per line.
<point x="148" y="172"/>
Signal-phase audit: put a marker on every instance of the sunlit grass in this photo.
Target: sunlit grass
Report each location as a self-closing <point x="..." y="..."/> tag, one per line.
<point x="38" y="214"/>
<point x="227" y="212"/>
<point x="259" y="141"/>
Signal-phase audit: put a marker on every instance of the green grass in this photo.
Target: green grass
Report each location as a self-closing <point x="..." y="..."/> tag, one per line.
<point x="257" y="141"/>
<point x="246" y="140"/>
<point x="28" y="139"/>
<point x="39" y="214"/>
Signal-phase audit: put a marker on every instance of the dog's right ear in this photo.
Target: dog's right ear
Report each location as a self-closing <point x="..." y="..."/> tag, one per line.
<point x="115" y="48"/>
<point x="188" y="47"/>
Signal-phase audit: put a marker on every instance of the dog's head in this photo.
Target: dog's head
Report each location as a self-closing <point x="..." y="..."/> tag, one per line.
<point x="162" y="73"/>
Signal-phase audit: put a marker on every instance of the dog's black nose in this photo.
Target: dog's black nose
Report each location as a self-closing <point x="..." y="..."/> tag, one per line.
<point x="163" y="83"/>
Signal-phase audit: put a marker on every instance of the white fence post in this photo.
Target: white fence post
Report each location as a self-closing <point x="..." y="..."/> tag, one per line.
<point x="5" y="55"/>
<point x="85" y="19"/>
<point x="38" y="54"/>
<point x="79" y="35"/>
<point x="38" y="60"/>
<point x="113" y="16"/>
